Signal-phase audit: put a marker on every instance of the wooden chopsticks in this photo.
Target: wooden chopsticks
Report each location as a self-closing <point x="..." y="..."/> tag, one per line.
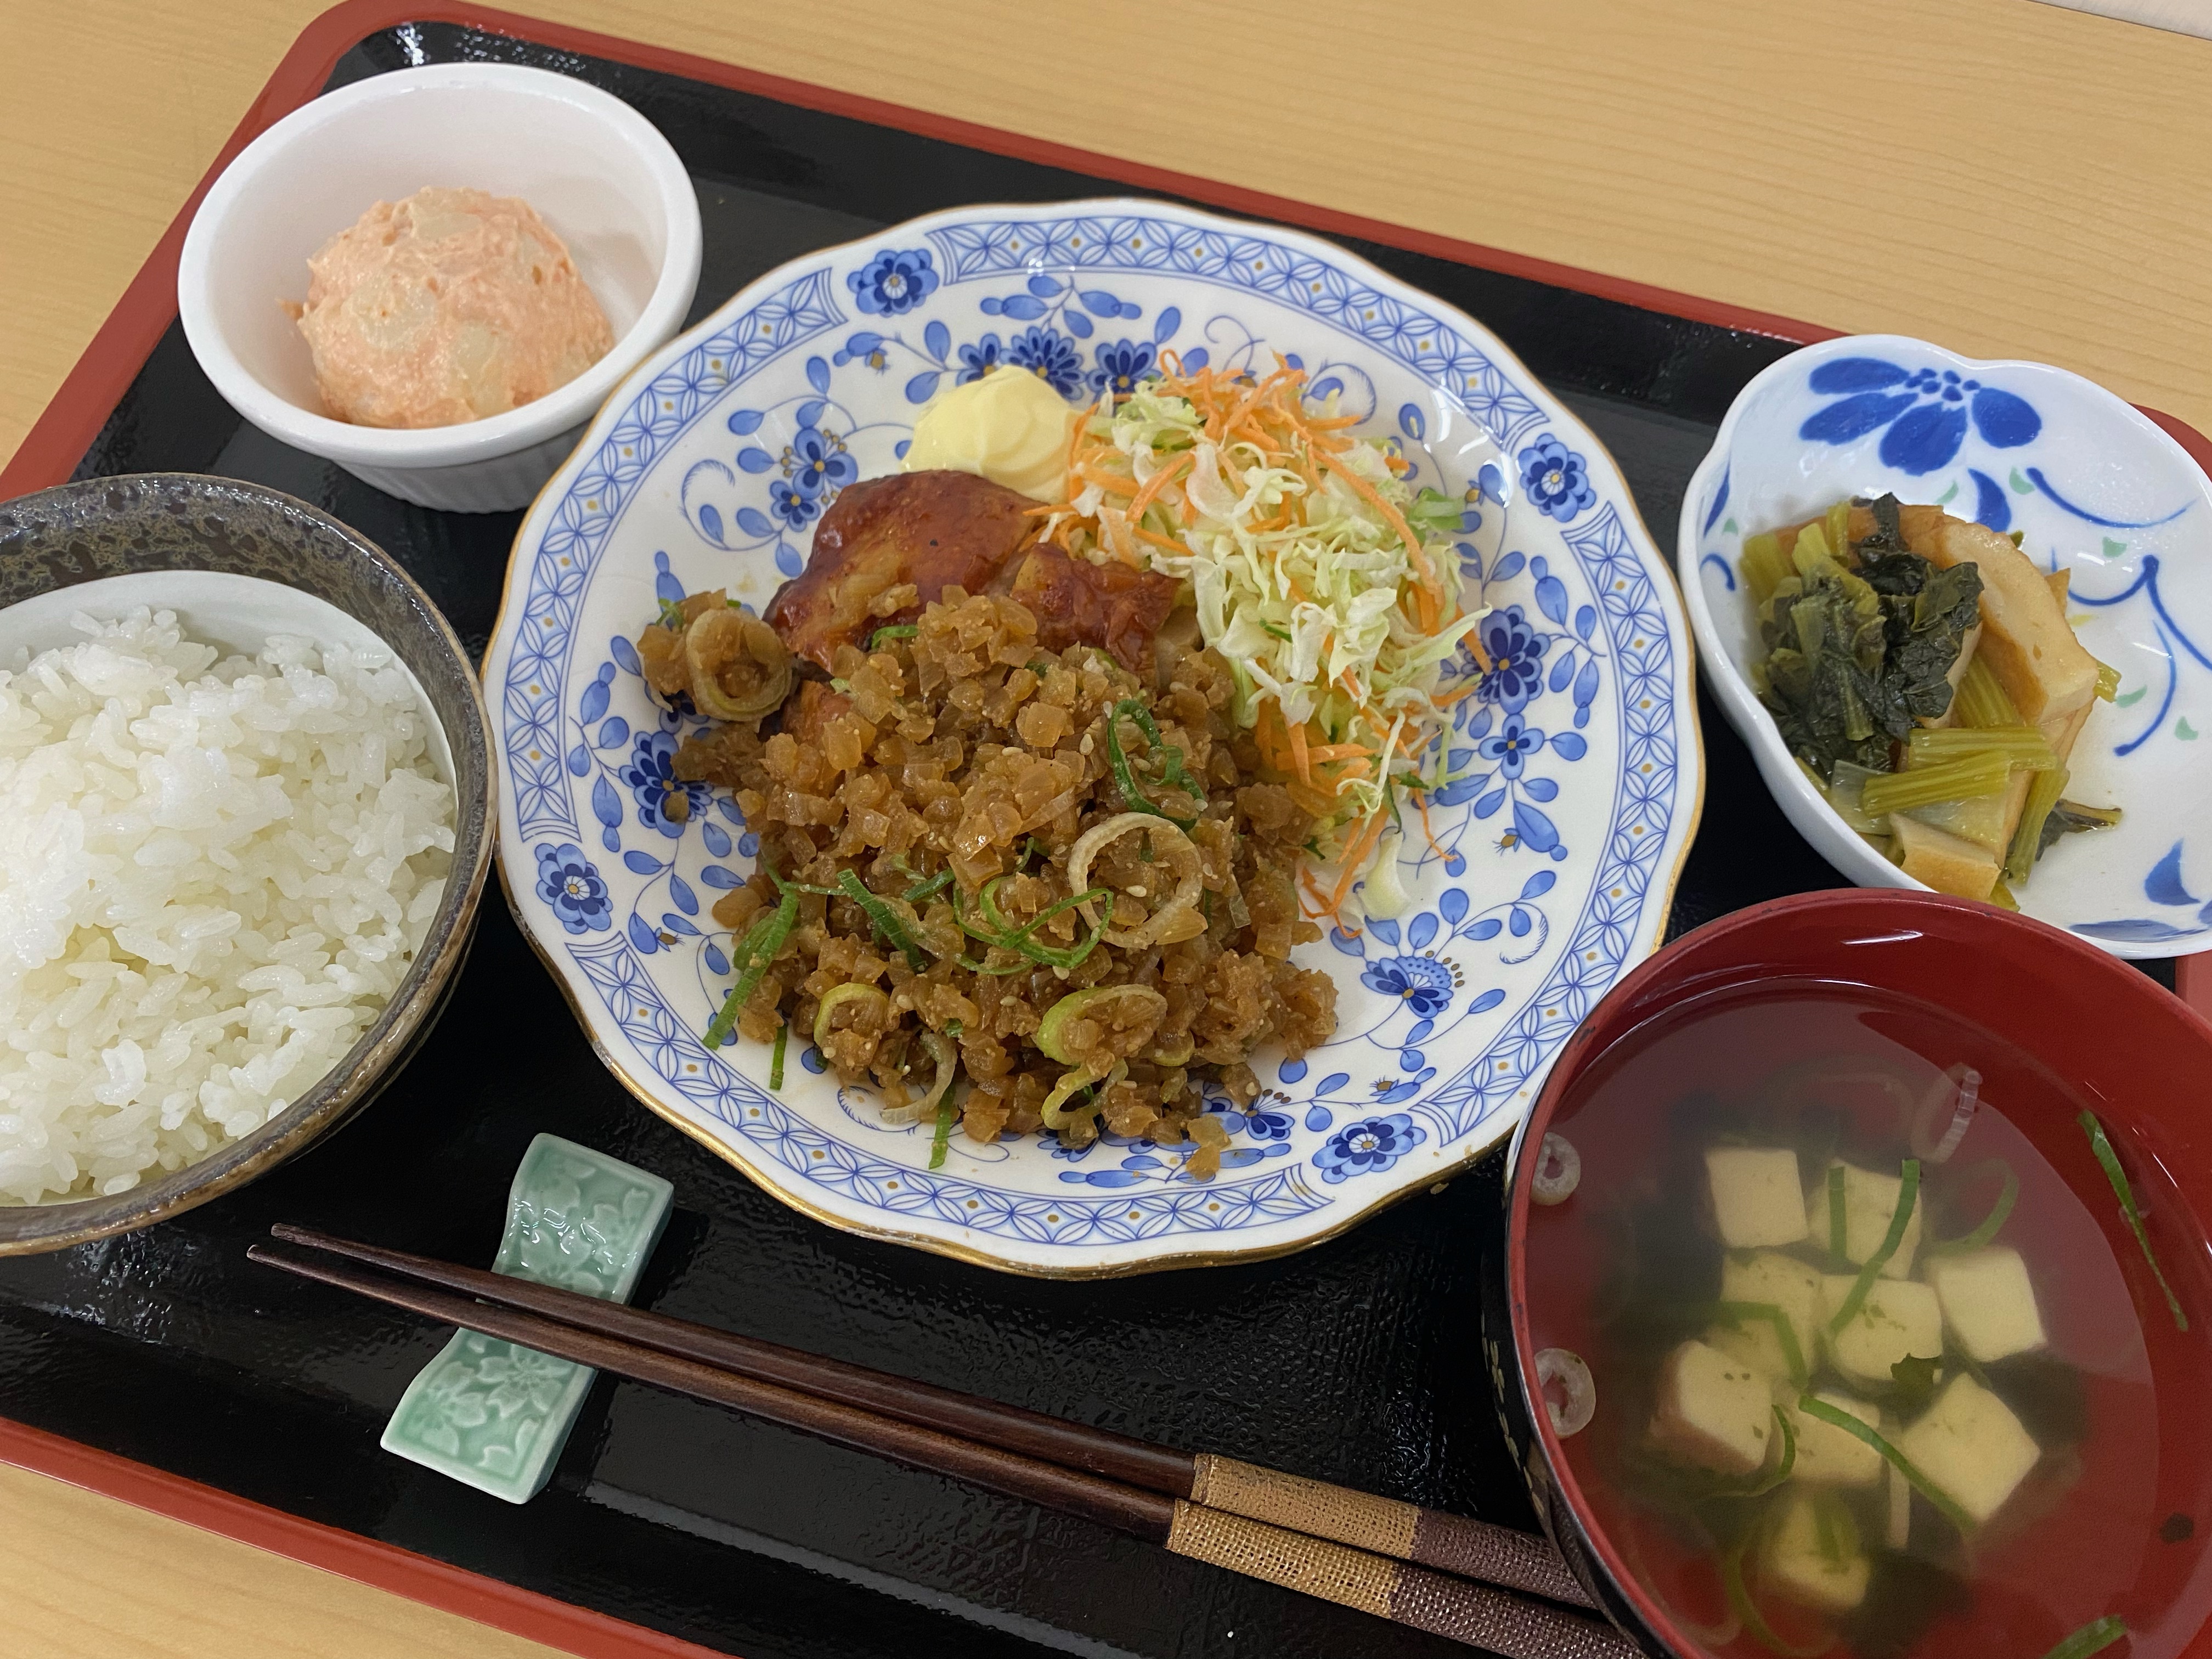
<point x="1343" y="1546"/>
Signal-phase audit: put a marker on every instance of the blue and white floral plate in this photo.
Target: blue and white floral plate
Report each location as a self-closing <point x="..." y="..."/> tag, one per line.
<point x="1557" y="849"/>
<point x="2097" y="490"/>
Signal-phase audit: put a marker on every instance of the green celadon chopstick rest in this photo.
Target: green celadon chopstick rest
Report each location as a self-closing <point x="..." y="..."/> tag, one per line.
<point x="495" y="1415"/>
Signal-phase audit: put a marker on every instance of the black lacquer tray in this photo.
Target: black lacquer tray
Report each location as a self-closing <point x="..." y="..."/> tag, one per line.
<point x="1357" y="1362"/>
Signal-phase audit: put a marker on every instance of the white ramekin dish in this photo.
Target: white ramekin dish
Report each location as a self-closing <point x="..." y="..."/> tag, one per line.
<point x="2093" y="487"/>
<point x="600" y="174"/>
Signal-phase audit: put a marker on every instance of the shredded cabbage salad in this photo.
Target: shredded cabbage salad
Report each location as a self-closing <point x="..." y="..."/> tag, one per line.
<point x="1326" y="583"/>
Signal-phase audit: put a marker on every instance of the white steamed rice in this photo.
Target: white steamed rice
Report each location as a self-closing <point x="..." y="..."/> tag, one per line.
<point x="213" y="876"/>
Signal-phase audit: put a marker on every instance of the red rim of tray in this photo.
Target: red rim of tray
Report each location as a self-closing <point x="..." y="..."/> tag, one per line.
<point x="69" y="423"/>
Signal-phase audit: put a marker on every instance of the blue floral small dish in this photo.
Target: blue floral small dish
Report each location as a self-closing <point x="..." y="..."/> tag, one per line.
<point x="1576" y="770"/>
<point x="2094" y="488"/>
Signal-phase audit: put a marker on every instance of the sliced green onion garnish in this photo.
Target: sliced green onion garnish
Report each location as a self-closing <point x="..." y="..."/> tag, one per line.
<point x="1907" y="1193"/>
<point x="1994" y="1219"/>
<point x="1000" y="933"/>
<point x="1813" y="1406"/>
<point x="671" y="616"/>
<point x="886" y="920"/>
<point x="2090" y="1639"/>
<point x="929" y="889"/>
<point x="2101" y="1145"/>
<point x="1172" y="775"/>
<point x="754" y="953"/>
<point x="897" y="631"/>
<point x="1768" y="1479"/>
<point x="940" y="1142"/>
<point x="1792" y="1354"/>
<point x="776" y="1055"/>
<point x="1739" y="1602"/>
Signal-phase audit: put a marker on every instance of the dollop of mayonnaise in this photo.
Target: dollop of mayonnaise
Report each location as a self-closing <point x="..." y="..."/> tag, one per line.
<point x="1010" y="427"/>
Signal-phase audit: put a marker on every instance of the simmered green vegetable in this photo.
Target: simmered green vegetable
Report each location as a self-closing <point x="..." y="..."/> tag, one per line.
<point x="1857" y="658"/>
<point x="2024" y="747"/>
<point x="776" y="1055"/>
<point x="2027" y="835"/>
<point x="1924" y="786"/>
<point x="1981" y="702"/>
<point x="2071" y="817"/>
<point x="1764" y="565"/>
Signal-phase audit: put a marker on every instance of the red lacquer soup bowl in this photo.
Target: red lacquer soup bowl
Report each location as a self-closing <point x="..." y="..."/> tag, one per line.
<point x="1862" y="1001"/>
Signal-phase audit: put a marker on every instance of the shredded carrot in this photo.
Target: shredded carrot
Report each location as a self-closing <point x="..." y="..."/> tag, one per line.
<point x="1354" y="860"/>
<point x="1160" y="481"/>
<point x="1421" y="801"/>
<point x="1112" y="481"/>
<point x="1298" y="754"/>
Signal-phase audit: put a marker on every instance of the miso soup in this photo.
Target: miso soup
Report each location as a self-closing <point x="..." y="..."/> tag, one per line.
<point x="1866" y="1367"/>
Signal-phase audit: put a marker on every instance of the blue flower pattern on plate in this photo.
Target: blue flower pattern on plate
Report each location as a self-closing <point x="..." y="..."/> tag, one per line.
<point x="978" y="359"/>
<point x="567" y="881"/>
<point x="1051" y="356"/>
<point x="1368" y="1147"/>
<point x="1516" y="651"/>
<point x="1422" y="983"/>
<point x="896" y="280"/>
<point x="651" y="776"/>
<point x="1593" y="607"/>
<point x="1555" y="479"/>
<point x="1510" y="746"/>
<point x="818" y="464"/>
<point x="1121" y="367"/>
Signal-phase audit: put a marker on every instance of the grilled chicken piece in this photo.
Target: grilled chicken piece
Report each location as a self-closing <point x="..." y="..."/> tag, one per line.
<point x="1079" y="603"/>
<point x="933" y="530"/>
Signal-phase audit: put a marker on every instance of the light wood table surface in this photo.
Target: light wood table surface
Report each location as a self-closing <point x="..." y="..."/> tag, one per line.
<point x="2007" y="179"/>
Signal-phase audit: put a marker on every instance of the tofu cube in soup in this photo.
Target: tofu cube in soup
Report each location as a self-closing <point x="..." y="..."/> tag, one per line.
<point x="1714" y="1411"/>
<point x="1970" y="1446"/>
<point x="1757" y="1199"/>
<point x="1870" y="1201"/>
<point x="1987" y="1302"/>
<point x="1830" y="1456"/>
<point x="1812" y="1554"/>
<point x="1770" y="1279"/>
<point x="1900" y="1319"/>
